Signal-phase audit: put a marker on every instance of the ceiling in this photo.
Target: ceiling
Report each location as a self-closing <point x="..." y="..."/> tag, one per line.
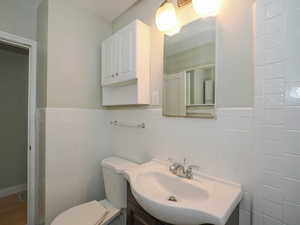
<point x="107" y="9"/>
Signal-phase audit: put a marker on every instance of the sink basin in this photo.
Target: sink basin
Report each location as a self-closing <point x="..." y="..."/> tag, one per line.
<point x="165" y="186"/>
<point x="180" y="201"/>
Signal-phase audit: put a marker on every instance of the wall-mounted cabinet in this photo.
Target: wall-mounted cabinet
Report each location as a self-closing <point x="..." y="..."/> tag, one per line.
<point x="126" y="66"/>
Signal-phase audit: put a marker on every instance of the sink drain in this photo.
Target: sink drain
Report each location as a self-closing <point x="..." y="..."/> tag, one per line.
<point x="172" y="199"/>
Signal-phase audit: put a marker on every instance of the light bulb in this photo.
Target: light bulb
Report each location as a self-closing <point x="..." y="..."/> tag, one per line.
<point x="173" y="31"/>
<point x="166" y="19"/>
<point x="295" y="92"/>
<point x="207" y="8"/>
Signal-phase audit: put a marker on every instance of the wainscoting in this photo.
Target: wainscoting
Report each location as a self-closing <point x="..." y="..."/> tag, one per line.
<point x="222" y="147"/>
<point x="76" y="142"/>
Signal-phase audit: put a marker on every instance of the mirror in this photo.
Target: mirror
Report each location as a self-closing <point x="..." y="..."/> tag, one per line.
<point x="189" y="71"/>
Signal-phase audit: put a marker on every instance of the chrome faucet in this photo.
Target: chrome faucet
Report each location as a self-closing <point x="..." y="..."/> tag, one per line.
<point x="181" y="170"/>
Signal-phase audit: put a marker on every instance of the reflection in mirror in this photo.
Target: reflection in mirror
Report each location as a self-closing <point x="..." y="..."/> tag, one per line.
<point x="189" y="76"/>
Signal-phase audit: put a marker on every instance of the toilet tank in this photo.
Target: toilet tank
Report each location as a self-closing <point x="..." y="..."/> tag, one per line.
<point x="114" y="182"/>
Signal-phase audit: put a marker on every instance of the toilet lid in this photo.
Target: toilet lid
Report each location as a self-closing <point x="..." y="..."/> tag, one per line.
<point x="91" y="213"/>
<point x="117" y="164"/>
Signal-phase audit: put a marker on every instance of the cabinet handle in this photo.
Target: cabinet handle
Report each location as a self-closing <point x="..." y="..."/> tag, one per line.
<point x="117" y="74"/>
<point x="113" y="75"/>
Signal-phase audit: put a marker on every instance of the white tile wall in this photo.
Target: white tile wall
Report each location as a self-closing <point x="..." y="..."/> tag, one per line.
<point x="221" y="147"/>
<point x="291" y="189"/>
<point x="275" y="70"/>
<point x="270" y="221"/>
<point x="279" y="177"/>
<point x="271" y="179"/>
<point x="291" y="214"/>
<point x="293" y="144"/>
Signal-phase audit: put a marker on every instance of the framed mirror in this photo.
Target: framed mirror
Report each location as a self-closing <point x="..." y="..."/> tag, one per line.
<point x="189" y="71"/>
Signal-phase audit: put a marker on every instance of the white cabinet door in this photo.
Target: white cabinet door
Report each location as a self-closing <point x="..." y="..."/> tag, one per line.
<point x="111" y="56"/>
<point x="107" y="61"/>
<point x="105" y="58"/>
<point x="110" y="60"/>
<point x="115" y="56"/>
<point x="119" y="52"/>
<point x="127" y="54"/>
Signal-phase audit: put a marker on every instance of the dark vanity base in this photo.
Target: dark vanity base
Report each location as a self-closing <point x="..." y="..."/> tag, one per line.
<point x="136" y="215"/>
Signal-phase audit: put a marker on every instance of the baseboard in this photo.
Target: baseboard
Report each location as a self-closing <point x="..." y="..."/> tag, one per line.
<point x="12" y="190"/>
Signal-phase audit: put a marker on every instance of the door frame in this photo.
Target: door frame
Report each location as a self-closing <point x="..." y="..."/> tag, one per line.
<point x="32" y="167"/>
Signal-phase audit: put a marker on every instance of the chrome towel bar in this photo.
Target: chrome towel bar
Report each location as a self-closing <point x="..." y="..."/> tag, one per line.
<point x="117" y="123"/>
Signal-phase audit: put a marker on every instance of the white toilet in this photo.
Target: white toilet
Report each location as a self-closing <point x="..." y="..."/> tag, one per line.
<point x="116" y="195"/>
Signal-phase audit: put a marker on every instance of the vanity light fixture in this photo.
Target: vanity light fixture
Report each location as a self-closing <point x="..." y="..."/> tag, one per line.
<point x="181" y="3"/>
<point x="207" y="8"/>
<point x="166" y="18"/>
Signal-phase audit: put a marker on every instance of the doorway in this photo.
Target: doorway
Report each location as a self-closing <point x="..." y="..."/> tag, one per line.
<point x="18" y="171"/>
<point x="13" y="134"/>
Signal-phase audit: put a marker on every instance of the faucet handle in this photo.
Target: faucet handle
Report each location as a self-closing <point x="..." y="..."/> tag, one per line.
<point x="173" y="165"/>
<point x="191" y="167"/>
<point x="189" y="171"/>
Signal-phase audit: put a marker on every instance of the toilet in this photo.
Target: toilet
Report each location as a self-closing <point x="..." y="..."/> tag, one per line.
<point x="116" y="196"/>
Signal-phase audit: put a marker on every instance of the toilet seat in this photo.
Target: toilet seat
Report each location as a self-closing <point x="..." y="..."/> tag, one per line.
<point x="110" y="216"/>
<point x="113" y="212"/>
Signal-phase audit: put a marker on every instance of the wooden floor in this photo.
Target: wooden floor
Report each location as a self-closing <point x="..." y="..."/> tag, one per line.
<point x="13" y="211"/>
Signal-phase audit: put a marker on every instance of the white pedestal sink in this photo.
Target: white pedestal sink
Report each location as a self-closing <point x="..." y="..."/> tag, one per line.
<point x="181" y="201"/>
